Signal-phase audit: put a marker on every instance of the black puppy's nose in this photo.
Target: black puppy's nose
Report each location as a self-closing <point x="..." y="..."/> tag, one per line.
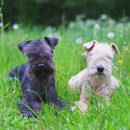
<point x="100" y="69"/>
<point x="40" y="66"/>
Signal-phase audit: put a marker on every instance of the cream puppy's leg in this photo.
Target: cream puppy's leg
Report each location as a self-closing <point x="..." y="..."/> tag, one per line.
<point x="78" y="82"/>
<point x="107" y="90"/>
<point x="75" y="83"/>
<point x="84" y="97"/>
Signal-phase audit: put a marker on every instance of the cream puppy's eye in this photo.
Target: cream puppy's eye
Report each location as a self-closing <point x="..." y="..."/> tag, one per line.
<point x="109" y="57"/>
<point x="90" y="54"/>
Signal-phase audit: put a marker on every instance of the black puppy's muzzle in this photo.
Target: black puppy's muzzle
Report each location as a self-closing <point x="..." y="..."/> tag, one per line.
<point x="46" y="69"/>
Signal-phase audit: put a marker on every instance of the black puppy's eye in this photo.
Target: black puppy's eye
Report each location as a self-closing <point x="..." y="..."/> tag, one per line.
<point x="30" y="60"/>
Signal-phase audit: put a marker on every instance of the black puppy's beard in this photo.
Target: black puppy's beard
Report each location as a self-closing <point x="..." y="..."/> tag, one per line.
<point x="43" y="74"/>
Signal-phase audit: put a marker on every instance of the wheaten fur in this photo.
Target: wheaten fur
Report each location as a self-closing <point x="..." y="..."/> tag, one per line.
<point x="99" y="58"/>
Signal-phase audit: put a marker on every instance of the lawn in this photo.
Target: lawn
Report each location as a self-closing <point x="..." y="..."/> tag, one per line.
<point x="69" y="61"/>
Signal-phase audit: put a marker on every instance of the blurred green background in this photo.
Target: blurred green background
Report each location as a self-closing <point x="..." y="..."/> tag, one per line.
<point x="55" y="12"/>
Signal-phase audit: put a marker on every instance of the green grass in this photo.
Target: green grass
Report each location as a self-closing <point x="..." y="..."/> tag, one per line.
<point x="69" y="61"/>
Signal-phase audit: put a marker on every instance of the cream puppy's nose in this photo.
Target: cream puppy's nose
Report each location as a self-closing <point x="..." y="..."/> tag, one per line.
<point x="100" y="69"/>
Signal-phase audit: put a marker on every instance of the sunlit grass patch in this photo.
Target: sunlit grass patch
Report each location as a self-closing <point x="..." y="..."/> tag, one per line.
<point x="69" y="61"/>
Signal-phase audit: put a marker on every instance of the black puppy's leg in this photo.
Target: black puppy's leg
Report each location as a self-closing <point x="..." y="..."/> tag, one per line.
<point x="51" y="95"/>
<point x="25" y="108"/>
<point x="29" y="109"/>
<point x="18" y="72"/>
<point x="35" y="105"/>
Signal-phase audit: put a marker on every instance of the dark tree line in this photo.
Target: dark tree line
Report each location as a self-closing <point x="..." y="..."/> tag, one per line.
<point x="55" y="11"/>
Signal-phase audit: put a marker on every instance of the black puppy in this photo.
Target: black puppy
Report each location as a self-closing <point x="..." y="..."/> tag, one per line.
<point x="37" y="76"/>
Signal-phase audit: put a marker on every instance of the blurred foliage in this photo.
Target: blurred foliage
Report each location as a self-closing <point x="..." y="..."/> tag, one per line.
<point x="56" y="11"/>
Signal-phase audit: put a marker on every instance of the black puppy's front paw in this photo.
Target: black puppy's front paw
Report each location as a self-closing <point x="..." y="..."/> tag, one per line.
<point x="27" y="110"/>
<point x="61" y="104"/>
<point x="29" y="114"/>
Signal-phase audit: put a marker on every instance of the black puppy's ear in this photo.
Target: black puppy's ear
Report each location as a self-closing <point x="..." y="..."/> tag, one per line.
<point x="52" y="41"/>
<point x="22" y="45"/>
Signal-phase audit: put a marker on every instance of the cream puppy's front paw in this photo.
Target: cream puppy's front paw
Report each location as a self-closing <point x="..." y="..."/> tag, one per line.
<point x="82" y="106"/>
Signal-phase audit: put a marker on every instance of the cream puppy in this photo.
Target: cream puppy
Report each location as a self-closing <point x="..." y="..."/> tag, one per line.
<point x="98" y="74"/>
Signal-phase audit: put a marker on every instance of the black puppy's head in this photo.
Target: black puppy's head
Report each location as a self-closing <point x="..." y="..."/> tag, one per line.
<point x="40" y="55"/>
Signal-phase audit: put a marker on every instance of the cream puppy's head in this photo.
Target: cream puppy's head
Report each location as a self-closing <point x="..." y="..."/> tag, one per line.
<point x="100" y="57"/>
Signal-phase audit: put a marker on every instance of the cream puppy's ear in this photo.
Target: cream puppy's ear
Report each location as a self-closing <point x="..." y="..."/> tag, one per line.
<point x="89" y="45"/>
<point x="115" y="48"/>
